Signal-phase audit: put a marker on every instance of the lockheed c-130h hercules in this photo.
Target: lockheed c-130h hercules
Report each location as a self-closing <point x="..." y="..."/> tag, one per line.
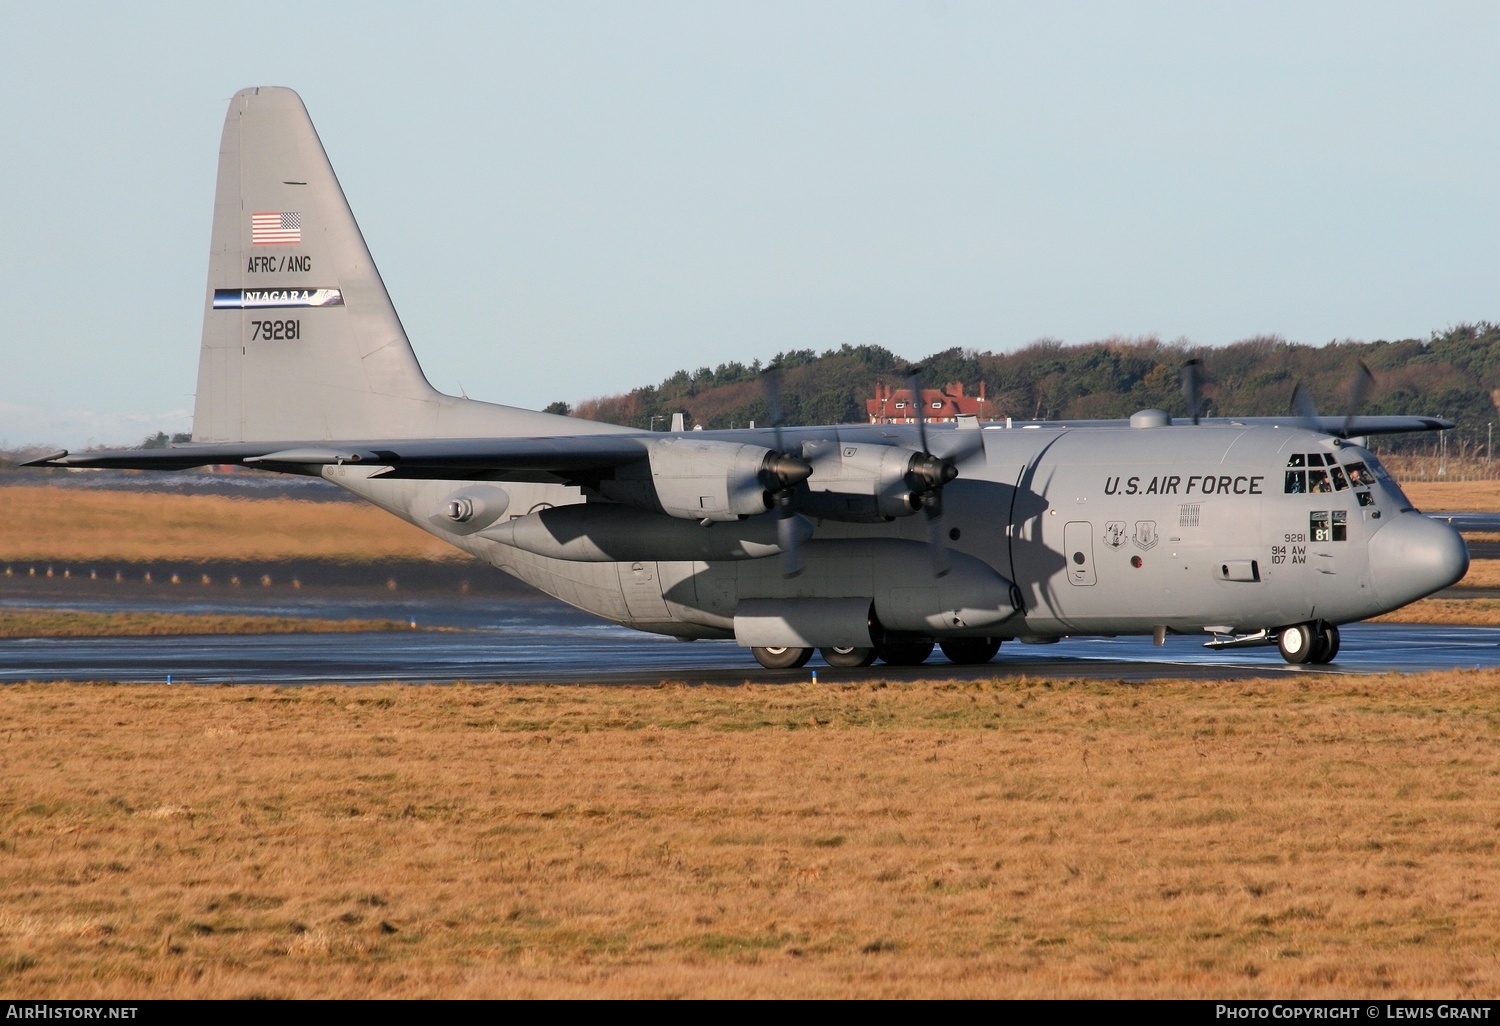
<point x="867" y="542"/>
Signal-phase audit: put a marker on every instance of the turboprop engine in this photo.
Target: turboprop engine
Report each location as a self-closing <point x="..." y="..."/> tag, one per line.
<point x="702" y="479"/>
<point x="862" y="482"/>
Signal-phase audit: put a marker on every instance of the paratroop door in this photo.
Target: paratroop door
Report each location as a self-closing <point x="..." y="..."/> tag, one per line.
<point x="1078" y="547"/>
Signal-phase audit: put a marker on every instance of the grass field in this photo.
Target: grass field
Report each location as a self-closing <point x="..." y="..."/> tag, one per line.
<point x="1454" y="496"/>
<point x="83" y="623"/>
<point x="1303" y="836"/>
<point x="72" y="524"/>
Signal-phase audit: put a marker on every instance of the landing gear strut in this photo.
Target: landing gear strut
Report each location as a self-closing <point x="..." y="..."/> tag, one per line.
<point x="1309" y="643"/>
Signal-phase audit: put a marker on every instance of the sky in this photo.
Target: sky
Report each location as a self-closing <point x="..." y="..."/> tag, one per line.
<point x="573" y="199"/>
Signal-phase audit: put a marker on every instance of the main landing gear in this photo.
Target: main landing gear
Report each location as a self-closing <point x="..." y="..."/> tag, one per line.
<point x="963" y="651"/>
<point x="782" y="658"/>
<point x="1309" y="643"/>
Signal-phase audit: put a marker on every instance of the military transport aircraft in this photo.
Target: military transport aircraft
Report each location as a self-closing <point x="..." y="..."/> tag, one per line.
<point x="868" y="541"/>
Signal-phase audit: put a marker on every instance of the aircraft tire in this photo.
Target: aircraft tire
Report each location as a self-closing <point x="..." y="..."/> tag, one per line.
<point x="782" y="658"/>
<point x="1328" y="644"/>
<point x="1298" y="643"/>
<point x="970" y="651"/>
<point x="847" y="657"/>
<point x="905" y="653"/>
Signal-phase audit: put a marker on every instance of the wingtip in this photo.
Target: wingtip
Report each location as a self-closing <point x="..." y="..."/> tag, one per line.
<point x="47" y="460"/>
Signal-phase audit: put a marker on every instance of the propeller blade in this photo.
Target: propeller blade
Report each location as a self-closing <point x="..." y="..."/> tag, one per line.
<point x="1359" y="390"/>
<point x="792" y="529"/>
<point x="788" y="471"/>
<point x="929" y="474"/>
<point x="1192" y="384"/>
<point x="1302" y="406"/>
<point x="932" y="510"/>
<point x="771" y="380"/>
<point x="917" y="402"/>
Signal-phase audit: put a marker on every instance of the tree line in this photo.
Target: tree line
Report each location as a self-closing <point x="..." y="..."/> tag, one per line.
<point x="1453" y="374"/>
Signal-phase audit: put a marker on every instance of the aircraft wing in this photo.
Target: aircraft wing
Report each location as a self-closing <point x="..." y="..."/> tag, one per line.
<point x="514" y="459"/>
<point x="1360" y="427"/>
<point x="571" y="458"/>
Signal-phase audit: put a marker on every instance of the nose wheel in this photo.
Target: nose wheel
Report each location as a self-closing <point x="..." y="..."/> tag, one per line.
<point x="1309" y="643"/>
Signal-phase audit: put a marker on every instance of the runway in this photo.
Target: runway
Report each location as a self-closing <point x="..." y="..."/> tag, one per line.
<point x="530" y="640"/>
<point x="495" y="629"/>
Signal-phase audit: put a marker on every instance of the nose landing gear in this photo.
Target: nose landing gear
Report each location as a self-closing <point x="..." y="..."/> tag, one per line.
<point x="1316" y="642"/>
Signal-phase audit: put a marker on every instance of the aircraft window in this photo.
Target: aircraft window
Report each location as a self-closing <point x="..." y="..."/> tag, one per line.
<point x="1341" y="525"/>
<point x="1365" y="498"/>
<point x="1360" y="476"/>
<point x="1317" y="481"/>
<point x="1296" y="481"/>
<point x="1337" y="474"/>
<point x="1295" y="460"/>
<point x="900" y="406"/>
<point x="1317" y="526"/>
<point x="1381" y="473"/>
<point x="937" y="406"/>
<point x="1317" y="458"/>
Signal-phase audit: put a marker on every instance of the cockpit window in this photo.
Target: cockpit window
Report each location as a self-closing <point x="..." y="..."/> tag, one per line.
<point x="1357" y="474"/>
<point x="1381" y="474"/>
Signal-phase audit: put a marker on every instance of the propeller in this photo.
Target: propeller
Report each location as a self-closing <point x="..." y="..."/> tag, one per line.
<point x="1360" y="385"/>
<point x="781" y="473"/>
<point x="927" y="475"/>
<point x="1359" y="390"/>
<point x="1192" y="386"/>
<point x="1302" y="406"/>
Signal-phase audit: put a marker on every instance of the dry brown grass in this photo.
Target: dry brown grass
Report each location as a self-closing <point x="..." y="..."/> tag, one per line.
<point x="56" y="523"/>
<point x="82" y="623"/>
<point x="1483" y="573"/>
<point x="1303" y="836"/>
<point x="1466" y="612"/>
<point x="1471" y="496"/>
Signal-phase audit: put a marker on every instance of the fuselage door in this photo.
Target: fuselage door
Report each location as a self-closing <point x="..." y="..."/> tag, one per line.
<point x="1078" y="546"/>
<point x="642" y="591"/>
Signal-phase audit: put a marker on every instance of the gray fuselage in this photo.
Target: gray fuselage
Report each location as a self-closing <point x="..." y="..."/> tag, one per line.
<point x="1051" y="531"/>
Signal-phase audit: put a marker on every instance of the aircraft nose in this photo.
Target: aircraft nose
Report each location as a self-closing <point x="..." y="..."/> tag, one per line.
<point x="1414" y="555"/>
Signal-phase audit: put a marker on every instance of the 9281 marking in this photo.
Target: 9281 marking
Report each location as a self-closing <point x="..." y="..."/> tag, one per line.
<point x="276" y="331"/>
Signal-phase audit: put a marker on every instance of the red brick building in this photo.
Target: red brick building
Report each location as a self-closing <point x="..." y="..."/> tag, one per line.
<point x="894" y="405"/>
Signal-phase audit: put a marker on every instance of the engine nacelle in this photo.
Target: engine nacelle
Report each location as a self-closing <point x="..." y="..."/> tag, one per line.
<point x="703" y="479"/>
<point x="861" y="482"/>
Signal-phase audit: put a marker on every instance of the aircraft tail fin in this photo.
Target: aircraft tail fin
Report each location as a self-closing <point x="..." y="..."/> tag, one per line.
<point x="300" y="339"/>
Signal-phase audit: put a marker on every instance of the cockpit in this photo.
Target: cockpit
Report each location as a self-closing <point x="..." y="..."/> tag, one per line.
<point x="1315" y="472"/>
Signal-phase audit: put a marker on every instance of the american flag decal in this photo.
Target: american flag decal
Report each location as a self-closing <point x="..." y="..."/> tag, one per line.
<point x="278" y="228"/>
